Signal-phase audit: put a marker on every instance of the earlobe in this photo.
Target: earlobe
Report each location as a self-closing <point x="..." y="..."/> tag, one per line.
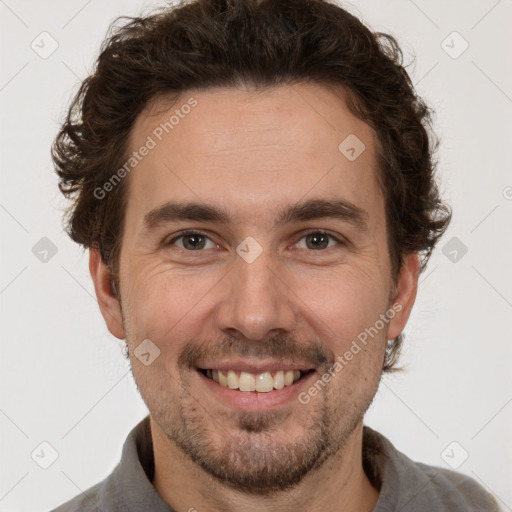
<point x="405" y="295"/>
<point x="106" y="294"/>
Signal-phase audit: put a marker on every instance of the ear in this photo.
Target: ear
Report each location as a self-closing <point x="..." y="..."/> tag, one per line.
<point x="109" y="304"/>
<point x="404" y="295"/>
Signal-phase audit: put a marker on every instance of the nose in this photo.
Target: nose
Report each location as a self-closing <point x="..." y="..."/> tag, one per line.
<point x="257" y="302"/>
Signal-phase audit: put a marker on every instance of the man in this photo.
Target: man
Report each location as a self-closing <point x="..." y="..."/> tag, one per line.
<point x="255" y="183"/>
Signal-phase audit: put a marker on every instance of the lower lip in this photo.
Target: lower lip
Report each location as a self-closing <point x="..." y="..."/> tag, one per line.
<point x="253" y="400"/>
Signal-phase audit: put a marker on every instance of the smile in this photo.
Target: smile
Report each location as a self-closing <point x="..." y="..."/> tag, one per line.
<point x="263" y="382"/>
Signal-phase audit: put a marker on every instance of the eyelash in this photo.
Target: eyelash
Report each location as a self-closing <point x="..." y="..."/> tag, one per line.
<point x="185" y="233"/>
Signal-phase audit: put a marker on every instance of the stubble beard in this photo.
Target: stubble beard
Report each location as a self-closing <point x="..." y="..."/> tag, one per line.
<point x="252" y="455"/>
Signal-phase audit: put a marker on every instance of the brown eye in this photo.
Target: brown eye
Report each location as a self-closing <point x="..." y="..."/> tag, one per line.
<point x="191" y="241"/>
<point x="318" y="240"/>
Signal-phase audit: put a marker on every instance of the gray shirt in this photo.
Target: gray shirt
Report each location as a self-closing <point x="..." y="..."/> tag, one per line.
<point x="405" y="485"/>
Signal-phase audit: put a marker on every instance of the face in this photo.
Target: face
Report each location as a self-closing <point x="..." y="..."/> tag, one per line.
<point x="253" y="246"/>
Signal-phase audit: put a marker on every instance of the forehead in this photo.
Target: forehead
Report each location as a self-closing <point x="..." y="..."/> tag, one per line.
<point x="252" y="150"/>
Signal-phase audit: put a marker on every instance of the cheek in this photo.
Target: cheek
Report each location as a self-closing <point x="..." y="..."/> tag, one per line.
<point x="165" y="306"/>
<point x="344" y="304"/>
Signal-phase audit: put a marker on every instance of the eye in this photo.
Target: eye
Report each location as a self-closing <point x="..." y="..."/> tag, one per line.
<point x="191" y="241"/>
<point x="318" y="240"/>
<point x="196" y="241"/>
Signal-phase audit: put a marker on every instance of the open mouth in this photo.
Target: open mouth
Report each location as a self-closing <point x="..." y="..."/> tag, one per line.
<point x="262" y="382"/>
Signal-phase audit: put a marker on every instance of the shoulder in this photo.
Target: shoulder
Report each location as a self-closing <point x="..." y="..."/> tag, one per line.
<point x="410" y="486"/>
<point x="87" y="501"/>
<point x="457" y="491"/>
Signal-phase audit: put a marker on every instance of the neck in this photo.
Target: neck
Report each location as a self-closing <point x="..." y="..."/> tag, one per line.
<point x="341" y="480"/>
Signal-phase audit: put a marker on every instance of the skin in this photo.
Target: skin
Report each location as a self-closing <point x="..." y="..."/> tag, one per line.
<point x="253" y="153"/>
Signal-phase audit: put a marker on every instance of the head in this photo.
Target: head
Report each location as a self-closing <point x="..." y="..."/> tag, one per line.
<point x="250" y="123"/>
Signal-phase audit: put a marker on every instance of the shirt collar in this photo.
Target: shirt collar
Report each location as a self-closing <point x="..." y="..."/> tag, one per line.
<point x="130" y="488"/>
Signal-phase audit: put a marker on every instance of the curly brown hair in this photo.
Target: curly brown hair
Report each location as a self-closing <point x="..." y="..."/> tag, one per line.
<point x="265" y="43"/>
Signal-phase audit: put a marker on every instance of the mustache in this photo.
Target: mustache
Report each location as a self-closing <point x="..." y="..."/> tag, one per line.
<point x="278" y="347"/>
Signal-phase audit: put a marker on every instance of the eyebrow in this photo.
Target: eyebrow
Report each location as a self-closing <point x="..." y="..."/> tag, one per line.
<point x="308" y="210"/>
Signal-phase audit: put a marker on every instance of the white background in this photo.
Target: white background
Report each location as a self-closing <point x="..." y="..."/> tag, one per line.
<point x="63" y="379"/>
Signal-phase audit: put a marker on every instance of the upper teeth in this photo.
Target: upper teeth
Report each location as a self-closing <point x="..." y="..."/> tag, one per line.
<point x="262" y="382"/>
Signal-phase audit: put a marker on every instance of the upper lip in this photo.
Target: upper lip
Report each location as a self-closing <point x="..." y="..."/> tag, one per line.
<point x="254" y="367"/>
